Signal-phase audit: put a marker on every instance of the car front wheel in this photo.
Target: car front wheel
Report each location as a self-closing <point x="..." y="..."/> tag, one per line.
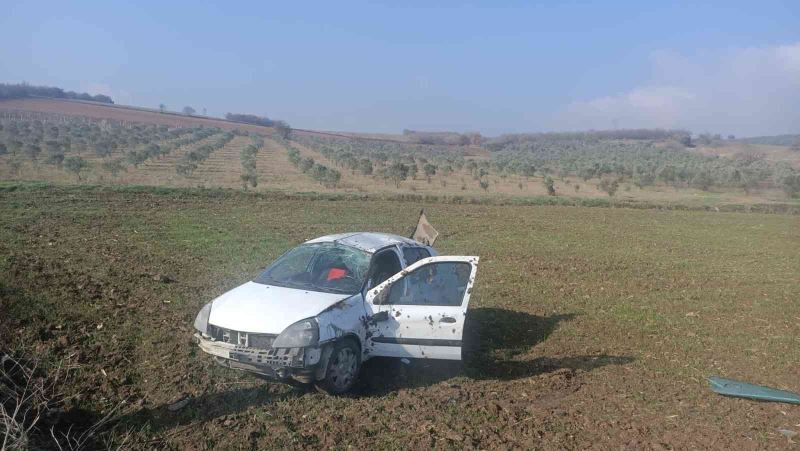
<point x="343" y="367"/>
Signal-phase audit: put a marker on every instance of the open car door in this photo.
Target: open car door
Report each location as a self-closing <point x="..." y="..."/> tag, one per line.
<point x="420" y="311"/>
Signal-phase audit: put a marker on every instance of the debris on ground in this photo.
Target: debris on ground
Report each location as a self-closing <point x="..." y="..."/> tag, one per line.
<point x="729" y="387"/>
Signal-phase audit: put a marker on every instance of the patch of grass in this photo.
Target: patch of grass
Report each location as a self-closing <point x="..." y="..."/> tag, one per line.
<point x="790" y="206"/>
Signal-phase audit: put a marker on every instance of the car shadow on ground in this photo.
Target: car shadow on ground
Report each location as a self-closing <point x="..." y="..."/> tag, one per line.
<point x="494" y="345"/>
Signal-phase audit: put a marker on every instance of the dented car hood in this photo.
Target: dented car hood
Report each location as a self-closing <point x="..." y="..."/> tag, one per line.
<point x="268" y="309"/>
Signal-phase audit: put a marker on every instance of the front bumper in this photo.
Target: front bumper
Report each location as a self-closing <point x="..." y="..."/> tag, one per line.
<point x="275" y="363"/>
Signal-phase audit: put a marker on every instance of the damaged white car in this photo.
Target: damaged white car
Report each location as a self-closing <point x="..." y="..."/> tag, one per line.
<point x="326" y="306"/>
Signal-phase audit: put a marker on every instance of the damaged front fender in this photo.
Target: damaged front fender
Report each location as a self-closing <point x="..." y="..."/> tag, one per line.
<point x="345" y="318"/>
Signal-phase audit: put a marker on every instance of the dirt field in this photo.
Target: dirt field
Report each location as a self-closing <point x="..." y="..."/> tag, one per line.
<point x="589" y="327"/>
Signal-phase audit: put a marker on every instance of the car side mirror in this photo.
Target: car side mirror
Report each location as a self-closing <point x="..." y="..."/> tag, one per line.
<point x="380" y="316"/>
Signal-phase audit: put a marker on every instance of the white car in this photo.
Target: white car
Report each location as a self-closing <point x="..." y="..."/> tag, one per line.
<point x="326" y="306"/>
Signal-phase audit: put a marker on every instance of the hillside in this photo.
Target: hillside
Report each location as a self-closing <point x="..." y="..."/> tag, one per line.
<point x="68" y="141"/>
<point x="740" y="149"/>
<point x="122" y="113"/>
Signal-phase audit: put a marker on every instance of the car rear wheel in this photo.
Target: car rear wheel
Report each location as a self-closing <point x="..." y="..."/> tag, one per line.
<point x="343" y="367"/>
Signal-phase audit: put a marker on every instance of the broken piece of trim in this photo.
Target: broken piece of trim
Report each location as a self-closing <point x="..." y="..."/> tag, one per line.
<point x="729" y="387"/>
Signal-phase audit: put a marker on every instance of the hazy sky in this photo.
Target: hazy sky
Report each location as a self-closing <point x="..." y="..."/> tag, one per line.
<point x="493" y="67"/>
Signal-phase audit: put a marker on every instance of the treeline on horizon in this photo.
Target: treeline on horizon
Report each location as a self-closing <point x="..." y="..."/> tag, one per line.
<point x="502" y="141"/>
<point x="257" y="120"/>
<point x="24" y="90"/>
<point x="641" y="134"/>
<point x="443" y="138"/>
<point x="777" y="140"/>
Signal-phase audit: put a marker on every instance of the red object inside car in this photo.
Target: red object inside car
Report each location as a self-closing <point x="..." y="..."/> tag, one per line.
<point x="336" y="273"/>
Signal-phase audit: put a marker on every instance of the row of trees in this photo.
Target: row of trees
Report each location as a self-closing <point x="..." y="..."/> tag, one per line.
<point x="103" y="137"/>
<point x="248" y="155"/>
<point x="588" y="156"/>
<point x="641" y="157"/>
<point x="388" y="161"/>
<point x="443" y="138"/>
<point x="63" y="141"/>
<point x="643" y="163"/>
<point x="592" y="136"/>
<point x="24" y="90"/>
<point x="192" y="159"/>
<point x="154" y="150"/>
<point x="324" y="175"/>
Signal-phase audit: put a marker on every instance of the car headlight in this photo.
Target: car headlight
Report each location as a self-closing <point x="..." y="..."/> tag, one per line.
<point x="201" y="322"/>
<point x="298" y="335"/>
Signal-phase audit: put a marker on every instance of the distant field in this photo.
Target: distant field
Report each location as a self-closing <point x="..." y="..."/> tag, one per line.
<point x="589" y="328"/>
<point x="777" y="154"/>
<point x="453" y="177"/>
<point x="120" y="113"/>
<point x="778" y="140"/>
<point x="151" y="116"/>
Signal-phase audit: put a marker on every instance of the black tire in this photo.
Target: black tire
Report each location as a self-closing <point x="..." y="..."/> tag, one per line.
<point x="344" y="365"/>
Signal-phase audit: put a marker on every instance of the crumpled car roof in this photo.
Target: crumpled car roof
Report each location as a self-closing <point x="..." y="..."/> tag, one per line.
<point x="366" y="241"/>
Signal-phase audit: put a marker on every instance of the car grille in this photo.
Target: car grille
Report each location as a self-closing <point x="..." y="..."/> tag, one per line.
<point x="260" y="341"/>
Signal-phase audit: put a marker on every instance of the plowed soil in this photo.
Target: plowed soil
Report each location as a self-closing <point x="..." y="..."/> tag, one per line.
<point x="589" y="328"/>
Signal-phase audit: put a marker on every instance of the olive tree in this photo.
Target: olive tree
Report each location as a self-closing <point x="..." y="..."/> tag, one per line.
<point x="114" y="167"/>
<point x="14" y="164"/>
<point x="430" y="171"/>
<point x="609" y="186"/>
<point x="76" y="165"/>
<point x="702" y="180"/>
<point x="306" y="164"/>
<point x="549" y="184"/>
<point x="365" y="166"/>
<point x="282" y="129"/>
<point x="791" y="184"/>
<point x="397" y="172"/>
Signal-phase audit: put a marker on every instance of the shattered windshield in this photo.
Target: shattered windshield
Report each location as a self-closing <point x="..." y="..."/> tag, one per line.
<point x="326" y="267"/>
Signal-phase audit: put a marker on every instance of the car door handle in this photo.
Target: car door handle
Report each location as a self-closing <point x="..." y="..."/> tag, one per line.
<point x="447" y="319"/>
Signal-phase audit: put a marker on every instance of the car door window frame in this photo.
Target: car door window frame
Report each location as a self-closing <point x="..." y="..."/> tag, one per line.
<point x="378" y="254"/>
<point x="376" y="292"/>
<point x="403" y="284"/>
<point x="418" y="250"/>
